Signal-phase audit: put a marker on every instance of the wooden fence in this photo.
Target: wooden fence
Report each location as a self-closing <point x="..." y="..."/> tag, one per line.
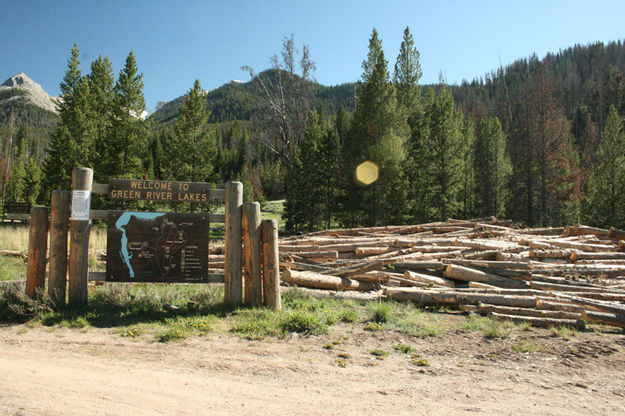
<point x="251" y="264"/>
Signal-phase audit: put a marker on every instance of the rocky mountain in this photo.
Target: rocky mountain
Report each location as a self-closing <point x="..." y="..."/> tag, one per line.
<point x="21" y="87"/>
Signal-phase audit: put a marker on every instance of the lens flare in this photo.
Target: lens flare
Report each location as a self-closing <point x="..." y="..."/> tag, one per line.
<point x="367" y="172"/>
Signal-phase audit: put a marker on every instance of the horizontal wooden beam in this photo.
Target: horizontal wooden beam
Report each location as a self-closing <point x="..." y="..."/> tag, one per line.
<point x="102" y="214"/>
<point x="100" y="188"/>
<point x="212" y="277"/>
<point x="103" y="189"/>
<point x="19" y="217"/>
<point x="97" y="276"/>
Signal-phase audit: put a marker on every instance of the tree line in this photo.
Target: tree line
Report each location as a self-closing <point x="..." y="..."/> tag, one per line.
<point x="540" y="142"/>
<point x="537" y="143"/>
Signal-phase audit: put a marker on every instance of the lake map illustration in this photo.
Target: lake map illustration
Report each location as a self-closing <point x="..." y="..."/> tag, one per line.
<point x="157" y="247"/>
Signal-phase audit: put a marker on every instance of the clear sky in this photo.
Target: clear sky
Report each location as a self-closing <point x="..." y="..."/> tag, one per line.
<point x="176" y="42"/>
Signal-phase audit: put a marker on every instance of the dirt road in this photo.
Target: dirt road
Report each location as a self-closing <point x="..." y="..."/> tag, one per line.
<point x="46" y="371"/>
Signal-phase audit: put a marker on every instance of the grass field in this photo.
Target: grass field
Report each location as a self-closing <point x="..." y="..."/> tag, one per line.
<point x="167" y="313"/>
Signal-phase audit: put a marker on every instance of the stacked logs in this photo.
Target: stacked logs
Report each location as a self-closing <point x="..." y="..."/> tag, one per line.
<point x="542" y="276"/>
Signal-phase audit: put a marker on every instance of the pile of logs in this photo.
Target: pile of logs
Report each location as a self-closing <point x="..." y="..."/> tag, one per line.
<point x="542" y="276"/>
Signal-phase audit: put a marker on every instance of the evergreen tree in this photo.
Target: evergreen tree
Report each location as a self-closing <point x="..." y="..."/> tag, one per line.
<point x="443" y="148"/>
<point x="32" y="182"/>
<point x="419" y="184"/>
<point x="557" y="171"/>
<point x="605" y="197"/>
<point x="73" y="142"/>
<point x="190" y="152"/>
<point x="378" y="134"/>
<point x="467" y="187"/>
<point x="127" y="145"/>
<point x="342" y="123"/>
<point x="17" y="180"/>
<point x="101" y="85"/>
<point x="407" y="74"/>
<point x="491" y="167"/>
<point x="302" y="209"/>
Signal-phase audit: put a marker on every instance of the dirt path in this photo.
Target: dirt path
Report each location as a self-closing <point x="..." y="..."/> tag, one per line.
<point x="80" y="372"/>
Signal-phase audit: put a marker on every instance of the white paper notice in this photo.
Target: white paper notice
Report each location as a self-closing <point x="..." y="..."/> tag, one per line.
<point x="81" y="202"/>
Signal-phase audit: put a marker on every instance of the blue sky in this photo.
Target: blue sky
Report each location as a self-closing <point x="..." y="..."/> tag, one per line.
<point x="176" y="42"/>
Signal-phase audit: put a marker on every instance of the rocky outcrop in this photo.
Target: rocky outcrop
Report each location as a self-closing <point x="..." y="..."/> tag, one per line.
<point x="31" y="92"/>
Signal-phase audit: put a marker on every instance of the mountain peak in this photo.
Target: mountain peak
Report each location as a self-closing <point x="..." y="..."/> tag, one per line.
<point x="33" y="91"/>
<point x="18" y="80"/>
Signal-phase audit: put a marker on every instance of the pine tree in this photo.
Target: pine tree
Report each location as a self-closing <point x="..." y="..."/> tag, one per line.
<point x="101" y="85"/>
<point x="190" y="153"/>
<point x="72" y="132"/>
<point x="467" y="187"/>
<point x="378" y="134"/>
<point x="605" y="197"/>
<point x="443" y="147"/>
<point x="417" y="164"/>
<point x="32" y="182"/>
<point x="329" y="170"/>
<point x="127" y="144"/>
<point x="17" y="180"/>
<point x="302" y="209"/>
<point x="558" y="175"/>
<point x="491" y="167"/>
<point x="407" y="74"/>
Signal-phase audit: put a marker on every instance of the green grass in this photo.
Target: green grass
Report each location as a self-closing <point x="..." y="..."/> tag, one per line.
<point x="379" y="353"/>
<point x="492" y="328"/>
<point x="403" y="348"/>
<point x="380" y="312"/>
<point x="164" y="313"/>
<point x="300" y="314"/>
<point x="408" y="319"/>
<point x="12" y="268"/>
<point x="171" y="334"/>
<point x="562" y="332"/>
<point x="273" y="210"/>
<point x="526" y="345"/>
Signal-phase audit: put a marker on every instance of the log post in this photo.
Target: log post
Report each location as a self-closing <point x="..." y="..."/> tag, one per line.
<point x="57" y="279"/>
<point x="37" y="247"/>
<point x="232" y="264"/>
<point x="80" y="227"/>
<point x="252" y="254"/>
<point x="271" y="263"/>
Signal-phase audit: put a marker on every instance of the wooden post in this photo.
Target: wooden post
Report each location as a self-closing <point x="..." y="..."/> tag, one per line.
<point x="252" y="254"/>
<point x="232" y="263"/>
<point x="271" y="264"/>
<point x="57" y="279"/>
<point x="37" y="247"/>
<point x="80" y="227"/>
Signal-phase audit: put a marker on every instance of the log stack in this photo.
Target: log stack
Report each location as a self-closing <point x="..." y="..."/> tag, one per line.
<point x="543" y="276"/>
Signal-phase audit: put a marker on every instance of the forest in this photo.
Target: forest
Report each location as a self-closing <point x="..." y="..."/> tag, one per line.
<point x="540" y="141"/>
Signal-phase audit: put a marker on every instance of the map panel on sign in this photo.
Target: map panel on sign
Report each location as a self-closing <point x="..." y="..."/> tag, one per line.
<point x="157" y="247"/>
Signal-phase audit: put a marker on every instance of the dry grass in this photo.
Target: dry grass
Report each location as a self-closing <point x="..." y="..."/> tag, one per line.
<point x="14" y="237"/>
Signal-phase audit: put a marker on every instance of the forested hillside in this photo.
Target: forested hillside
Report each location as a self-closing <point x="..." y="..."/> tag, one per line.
<point x="540" y="141"/>
<point x="238" y="100"/>
<point x="25" y="129"/>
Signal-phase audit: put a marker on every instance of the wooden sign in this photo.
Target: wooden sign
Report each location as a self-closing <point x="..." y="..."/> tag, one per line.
<point x="17" y="207"/>
<point x="153" y="190"/>
<point x="157" y="247"/>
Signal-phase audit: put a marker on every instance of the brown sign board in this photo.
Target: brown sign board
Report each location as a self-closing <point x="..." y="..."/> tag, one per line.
<point x="17" y="208"/>
<point x="155" y="190"/>
<point x="157" y="247"/>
